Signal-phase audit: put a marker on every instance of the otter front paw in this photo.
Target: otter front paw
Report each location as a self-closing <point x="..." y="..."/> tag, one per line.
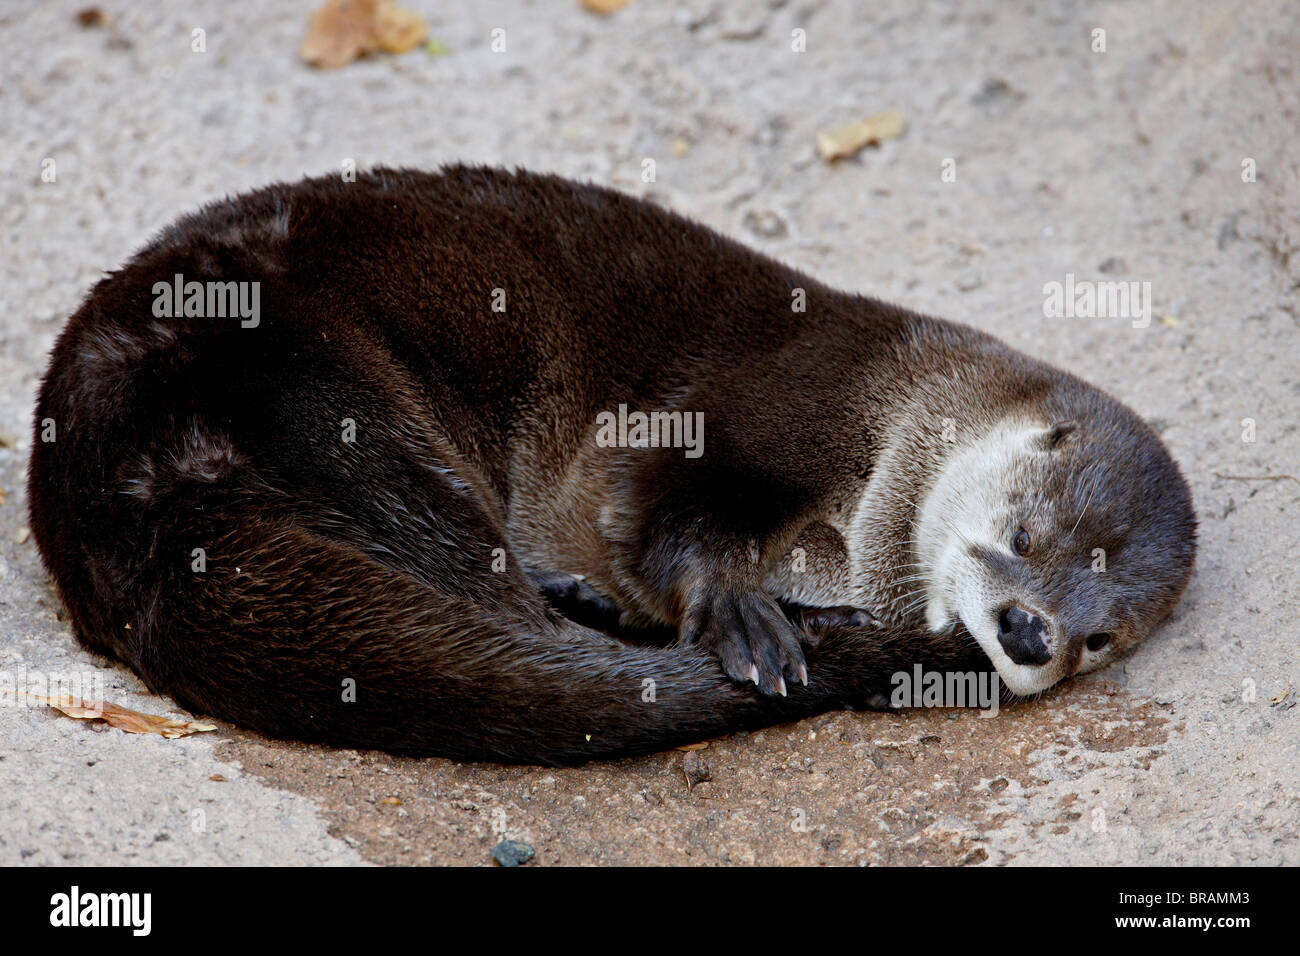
<point x="747" y="631"/>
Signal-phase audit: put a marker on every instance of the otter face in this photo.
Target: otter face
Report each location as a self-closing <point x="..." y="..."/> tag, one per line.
<point x="1058" y="547"/>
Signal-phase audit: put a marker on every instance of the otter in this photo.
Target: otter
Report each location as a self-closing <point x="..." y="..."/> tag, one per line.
<point x="498" y="466"/>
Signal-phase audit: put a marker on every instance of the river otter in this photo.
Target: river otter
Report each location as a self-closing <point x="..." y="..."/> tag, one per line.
<point x="370" y="462"/>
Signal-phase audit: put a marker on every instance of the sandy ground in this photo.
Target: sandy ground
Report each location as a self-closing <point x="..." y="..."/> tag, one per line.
<point x="1124" y="165"/>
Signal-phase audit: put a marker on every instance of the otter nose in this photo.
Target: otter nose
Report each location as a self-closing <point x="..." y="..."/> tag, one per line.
<point x="1024" y="636"/>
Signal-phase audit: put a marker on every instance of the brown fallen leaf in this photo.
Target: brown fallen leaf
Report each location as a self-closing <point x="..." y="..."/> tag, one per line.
<point x="91" y="17"/>
<point x="604" y="6"/>
<point x="131" y="721"/>
<point x="398" y="30"/>
<point x="700" y="746"/>
<point x="345" y="30"/>
<point x="392" y="801"/>
<point x="840" y="142"/>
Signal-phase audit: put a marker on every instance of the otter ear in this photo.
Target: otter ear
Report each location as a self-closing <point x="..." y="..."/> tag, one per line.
<point x="1059" y="434"/>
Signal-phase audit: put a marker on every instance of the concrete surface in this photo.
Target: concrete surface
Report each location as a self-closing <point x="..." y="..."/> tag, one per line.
<point x="1125" y="164"/>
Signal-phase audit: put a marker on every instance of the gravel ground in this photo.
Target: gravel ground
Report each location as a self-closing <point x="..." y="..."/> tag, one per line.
<point x="1118" y="165"/>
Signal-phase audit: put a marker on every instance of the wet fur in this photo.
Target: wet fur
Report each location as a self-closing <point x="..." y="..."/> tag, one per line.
<point x="371" y="561"/>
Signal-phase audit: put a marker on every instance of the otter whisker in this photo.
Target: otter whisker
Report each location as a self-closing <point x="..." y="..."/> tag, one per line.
<point x="1085" y="509"/>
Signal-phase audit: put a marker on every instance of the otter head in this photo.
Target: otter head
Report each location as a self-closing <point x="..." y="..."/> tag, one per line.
<point x="1060" y="545"/>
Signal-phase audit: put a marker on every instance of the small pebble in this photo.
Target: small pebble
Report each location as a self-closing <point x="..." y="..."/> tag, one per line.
<point x="696" y="770"/>
<point x="512" y="853"/>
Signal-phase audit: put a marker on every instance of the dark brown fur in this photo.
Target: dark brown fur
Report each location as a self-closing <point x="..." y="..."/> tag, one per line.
<point x="372" y="561"/>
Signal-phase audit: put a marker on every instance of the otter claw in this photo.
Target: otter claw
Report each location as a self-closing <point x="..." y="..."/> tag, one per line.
<point x="749" y="634"/>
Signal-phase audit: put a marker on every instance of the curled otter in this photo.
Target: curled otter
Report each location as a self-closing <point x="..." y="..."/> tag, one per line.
<point x="407" y="505"/>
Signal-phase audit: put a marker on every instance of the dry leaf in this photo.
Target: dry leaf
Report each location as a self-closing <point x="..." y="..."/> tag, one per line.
<point x="337" y="34"/>
<point x="604" y="6"/>
<point x="345" y="30"/>
<point x="398" y="30"/>
<point x="132" y="721"/>
<point x="699" y="746"/>
<point x="843" y="141"/>
<point x="392" y="801"/>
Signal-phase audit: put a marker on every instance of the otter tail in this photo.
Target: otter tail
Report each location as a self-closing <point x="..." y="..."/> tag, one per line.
<point x="295" y="635"/>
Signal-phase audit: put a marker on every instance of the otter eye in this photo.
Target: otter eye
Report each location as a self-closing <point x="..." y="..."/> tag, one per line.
<point x="1097" y="641"/>
<point x="1021" y="542"/>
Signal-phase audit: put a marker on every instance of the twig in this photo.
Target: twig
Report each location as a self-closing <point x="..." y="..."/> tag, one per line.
<point x="1257" y="477"/>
